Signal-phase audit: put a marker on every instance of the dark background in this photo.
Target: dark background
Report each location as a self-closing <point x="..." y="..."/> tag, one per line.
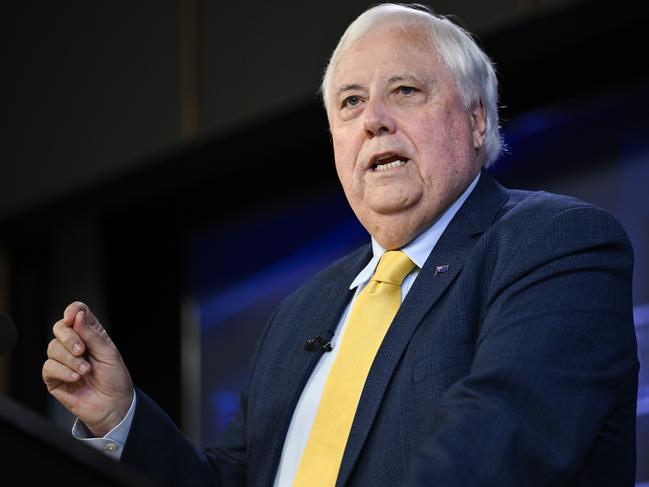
<point x="150" y="146"/>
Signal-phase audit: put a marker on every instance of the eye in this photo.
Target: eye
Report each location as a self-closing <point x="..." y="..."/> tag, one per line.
<point x="406" y="90"/>
<point x="351" y="101"/>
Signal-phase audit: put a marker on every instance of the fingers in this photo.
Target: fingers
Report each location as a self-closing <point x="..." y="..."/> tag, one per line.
<point x="56" y="351"/>
<point x="80" y="331"/>
<point x="90" y="330"/>
<point x="72" y="310"/>
<point x="63" y="329"/>
<point x="69" y="338"/>
<point x="55" y="372"/>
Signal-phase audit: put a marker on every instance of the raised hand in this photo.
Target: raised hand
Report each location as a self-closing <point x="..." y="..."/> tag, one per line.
<point x="85" y="372"/>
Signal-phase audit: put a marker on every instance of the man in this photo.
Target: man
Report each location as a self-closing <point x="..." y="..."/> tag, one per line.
<point x="510" y="361"/>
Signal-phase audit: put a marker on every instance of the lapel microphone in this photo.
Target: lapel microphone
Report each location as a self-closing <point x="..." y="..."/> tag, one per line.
<point x="323" y="340"/>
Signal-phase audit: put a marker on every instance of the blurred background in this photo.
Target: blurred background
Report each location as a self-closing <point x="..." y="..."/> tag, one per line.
<point x="150" y="146"/>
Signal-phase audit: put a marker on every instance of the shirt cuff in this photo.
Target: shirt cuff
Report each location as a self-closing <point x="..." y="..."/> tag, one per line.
<point x="112" y="443"/>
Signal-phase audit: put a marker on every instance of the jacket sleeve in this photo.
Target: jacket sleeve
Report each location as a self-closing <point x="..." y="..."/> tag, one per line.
<point x="158" y="448"/>
<point x="552" y="387"/>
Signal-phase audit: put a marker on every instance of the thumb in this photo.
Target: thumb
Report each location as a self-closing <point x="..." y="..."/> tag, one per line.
<point x="92" y="332"/>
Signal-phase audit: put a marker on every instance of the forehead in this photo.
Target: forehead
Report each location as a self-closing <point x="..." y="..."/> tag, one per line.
<point x="388" y="46"/>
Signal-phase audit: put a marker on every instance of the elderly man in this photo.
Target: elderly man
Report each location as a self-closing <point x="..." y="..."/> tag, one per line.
<point x="484" y="338"/>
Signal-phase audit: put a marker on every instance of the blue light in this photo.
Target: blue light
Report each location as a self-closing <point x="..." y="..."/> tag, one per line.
<point x="224" y="404"/>
<point x="295" y="268"/>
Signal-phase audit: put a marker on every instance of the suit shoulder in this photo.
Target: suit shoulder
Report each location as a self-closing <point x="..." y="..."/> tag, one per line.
<point x="553" y="221"/>
<point x="541" y="203"/>
<point x="534" y="209"/>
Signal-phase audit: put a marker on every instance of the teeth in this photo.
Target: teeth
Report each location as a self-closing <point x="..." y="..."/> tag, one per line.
<point x="389" y="165"/>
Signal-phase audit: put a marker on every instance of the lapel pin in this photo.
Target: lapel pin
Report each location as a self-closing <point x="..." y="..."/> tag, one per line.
<point x="441" y="269"/>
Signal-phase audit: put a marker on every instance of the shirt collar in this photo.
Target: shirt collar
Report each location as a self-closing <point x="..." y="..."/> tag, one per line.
<point x="420" y="248"/>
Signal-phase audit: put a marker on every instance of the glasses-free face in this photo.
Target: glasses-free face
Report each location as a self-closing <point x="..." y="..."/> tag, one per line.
<point x="404" y="143"/>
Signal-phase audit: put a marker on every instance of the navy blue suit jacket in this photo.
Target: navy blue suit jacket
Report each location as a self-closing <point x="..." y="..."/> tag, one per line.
<point x="515" y="367"/>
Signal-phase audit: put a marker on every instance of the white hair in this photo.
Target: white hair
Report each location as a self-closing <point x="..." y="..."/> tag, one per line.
<point x="472" y="69"/>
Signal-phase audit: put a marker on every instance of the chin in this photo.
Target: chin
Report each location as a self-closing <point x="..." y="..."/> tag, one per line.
<point x="394" y="242"/>
<point x="392" y="205"/>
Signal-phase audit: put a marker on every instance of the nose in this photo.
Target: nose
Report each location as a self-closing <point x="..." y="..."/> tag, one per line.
<point x="378" y="119"/>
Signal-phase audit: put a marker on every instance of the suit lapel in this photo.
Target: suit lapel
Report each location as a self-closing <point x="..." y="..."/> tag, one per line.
<point x="439" y="271"/>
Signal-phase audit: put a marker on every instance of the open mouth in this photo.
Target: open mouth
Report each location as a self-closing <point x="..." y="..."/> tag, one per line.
<point x="389" y="162"/>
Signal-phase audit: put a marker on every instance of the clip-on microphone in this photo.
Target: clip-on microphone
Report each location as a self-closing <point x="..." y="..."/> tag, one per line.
<point x="323" y="340"/>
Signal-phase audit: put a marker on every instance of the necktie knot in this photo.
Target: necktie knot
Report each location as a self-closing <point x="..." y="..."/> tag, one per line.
<point x="393" y="267"/>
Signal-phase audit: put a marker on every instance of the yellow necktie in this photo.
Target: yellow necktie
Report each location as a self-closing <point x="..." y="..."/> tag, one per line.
<point x="368" y="322"/>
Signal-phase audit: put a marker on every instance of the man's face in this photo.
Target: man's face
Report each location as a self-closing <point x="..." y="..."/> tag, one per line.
<point x="405" y="145"/>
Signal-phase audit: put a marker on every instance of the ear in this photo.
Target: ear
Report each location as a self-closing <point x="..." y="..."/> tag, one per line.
<point x="478" y="124"/>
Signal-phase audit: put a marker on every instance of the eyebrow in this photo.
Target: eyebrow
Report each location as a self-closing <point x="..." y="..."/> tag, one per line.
<point x="407" y="77"/>
<point x="349" y="87"/>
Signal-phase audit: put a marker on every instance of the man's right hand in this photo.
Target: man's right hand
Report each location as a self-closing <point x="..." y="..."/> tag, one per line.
<point x="85" y="372"/>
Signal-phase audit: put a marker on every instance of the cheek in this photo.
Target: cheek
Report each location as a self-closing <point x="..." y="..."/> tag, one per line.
<point x="435" y="149"/>
<point x="444" y="159"/>
<point x="345" y="154"/>
<point x="341" y="162"/>
<point x="450" y="142"/>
